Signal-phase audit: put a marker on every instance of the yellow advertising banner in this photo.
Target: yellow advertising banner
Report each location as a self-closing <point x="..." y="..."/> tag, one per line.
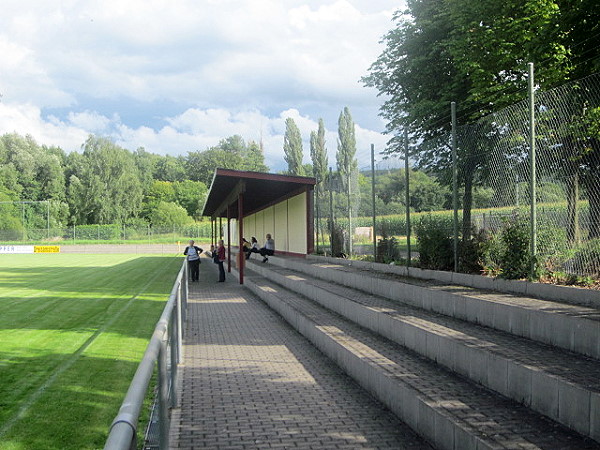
<point x="46" y="249"/>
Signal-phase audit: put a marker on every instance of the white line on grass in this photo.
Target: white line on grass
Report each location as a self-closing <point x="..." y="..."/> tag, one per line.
<point x="69" y="362"/>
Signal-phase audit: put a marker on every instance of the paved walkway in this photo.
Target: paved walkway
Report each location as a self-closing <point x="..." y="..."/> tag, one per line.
<point x="250" y="381"/>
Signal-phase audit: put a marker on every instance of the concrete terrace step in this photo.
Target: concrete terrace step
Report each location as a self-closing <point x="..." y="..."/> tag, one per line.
<point x="559" y="384"/>
<point x="568" y="326"/>
<point x="545" y="291"/>
<point x="446" y="409"/>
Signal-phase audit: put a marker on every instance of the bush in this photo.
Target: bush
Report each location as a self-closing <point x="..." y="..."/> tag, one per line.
<point x="552" y="246"/>
<point x="515" y="257"/>
<point x="586" y="260"/>
<point x="388" y="250"/>
<point x="167" y="214"/>
<point x="337" y="238"/>
<point x="472" y="253"/>
<point x="434" y="235"/>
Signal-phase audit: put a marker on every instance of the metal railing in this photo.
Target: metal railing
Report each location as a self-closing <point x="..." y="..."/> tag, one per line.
<point x="166" y="340"/>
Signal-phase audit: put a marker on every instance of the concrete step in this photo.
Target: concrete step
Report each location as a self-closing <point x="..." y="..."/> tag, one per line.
<point x="568" y="326"/>
<point x="545" y="291"/>
<point x="559" y="384"/>
<point x="446" y="409"/>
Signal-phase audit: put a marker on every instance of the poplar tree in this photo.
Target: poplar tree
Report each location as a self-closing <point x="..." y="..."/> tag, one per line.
<point x="292" y="147"/>
<point x="346" y="162"/>
<point x="318" y="155"/>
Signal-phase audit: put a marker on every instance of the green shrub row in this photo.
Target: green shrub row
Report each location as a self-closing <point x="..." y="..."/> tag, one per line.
<point x="395" y="224"/>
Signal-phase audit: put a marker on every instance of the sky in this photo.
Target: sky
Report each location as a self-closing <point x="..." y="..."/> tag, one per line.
<point x="174" y="76"/>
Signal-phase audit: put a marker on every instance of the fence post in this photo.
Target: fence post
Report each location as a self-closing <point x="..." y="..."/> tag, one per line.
<point x="48" y="218"/>
<point x="373" y="202"/>
<point x="407" y="177"/>
<point x="331" y="212"/>
<point x="533" y="181"/>
<point x="349" y="216"/>
<point x="454" y="186"/>
<point x="163" y="394"/>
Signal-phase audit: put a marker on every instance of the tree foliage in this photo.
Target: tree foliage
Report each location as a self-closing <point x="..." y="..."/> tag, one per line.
<point x="476" y="54"/>
<point x="105" y="183"/>
<point x="318" y="153"/>
<point x="292" y="148"/>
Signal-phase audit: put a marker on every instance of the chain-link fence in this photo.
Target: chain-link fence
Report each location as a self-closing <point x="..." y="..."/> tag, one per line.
<point x="107" y="234"/>
<point x="495" y="180"/>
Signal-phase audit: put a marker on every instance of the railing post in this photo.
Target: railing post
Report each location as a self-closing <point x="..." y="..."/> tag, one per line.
<point x="179" y="310"/>
<point x="163" y="393"/>
<point x="173" y="332"/>
<point x="185" y="293"/>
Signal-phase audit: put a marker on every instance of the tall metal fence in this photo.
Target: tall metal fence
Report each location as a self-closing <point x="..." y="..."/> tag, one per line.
<point x="107" y="233"/>
<point x="550" y="148"/>
<point x="164" y="352"/>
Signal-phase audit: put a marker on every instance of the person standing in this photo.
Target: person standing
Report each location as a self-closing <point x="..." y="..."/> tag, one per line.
<point x="193" y="257"/>
<point x="268" y="249"/>
<point x="221" y="260"/>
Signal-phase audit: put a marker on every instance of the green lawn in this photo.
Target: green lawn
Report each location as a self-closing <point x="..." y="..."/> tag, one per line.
<point x="72" y="331"/>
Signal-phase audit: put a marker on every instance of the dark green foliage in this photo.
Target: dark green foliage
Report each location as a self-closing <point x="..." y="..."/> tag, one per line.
<point x="586" y="259"/>
<point x="105" y="183"/>
<point x="515" y="257"/>
<point x="292" y="148"/>
<point x="388" y="250"/>
<point x="336" y="238"/>
<point x="472" y="252"/>
<point x="435" y="246"/>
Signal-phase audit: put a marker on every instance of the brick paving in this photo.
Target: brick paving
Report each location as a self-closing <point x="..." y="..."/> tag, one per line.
<point x="249" y="381"/>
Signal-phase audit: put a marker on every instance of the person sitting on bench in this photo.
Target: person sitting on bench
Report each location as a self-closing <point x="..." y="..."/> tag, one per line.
<point x="253" y="248"/>
<point x="268" y="249"/>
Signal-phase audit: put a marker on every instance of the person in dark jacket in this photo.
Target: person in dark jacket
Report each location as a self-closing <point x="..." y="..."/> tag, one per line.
<point x="193" y="253"/>
<point x="253" y="248"/>
<point x="221" y="260"/>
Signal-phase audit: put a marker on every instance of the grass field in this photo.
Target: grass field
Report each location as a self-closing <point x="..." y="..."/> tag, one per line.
<point x="72" y="331"/>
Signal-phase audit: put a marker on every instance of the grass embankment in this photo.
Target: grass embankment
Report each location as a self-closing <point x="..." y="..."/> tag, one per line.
<point x="72" y="331"/>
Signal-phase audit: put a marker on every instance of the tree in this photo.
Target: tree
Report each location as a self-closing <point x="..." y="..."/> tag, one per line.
<point x="347" y="164"/>
<point x="230" y="153"/>
<point x="254" y="158"/>
<point x="292" y="147"/>
<point x="105" y="188"/>
<point x="170" y="168"/>
<point x="201" y="165"/>
<point x="191" y="195"/>
<point x="318" y="155"/>
<point x="473" y="53"/>
<point x="169" y="214"/>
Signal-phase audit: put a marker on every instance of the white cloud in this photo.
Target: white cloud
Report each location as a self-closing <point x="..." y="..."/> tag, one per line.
<point x="193" y="130"/>
<point x="224" y="66"/>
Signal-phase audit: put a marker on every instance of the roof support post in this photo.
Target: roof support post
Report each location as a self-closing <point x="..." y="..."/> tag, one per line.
<point x="228" y="238"/>
<point x="310" y="220"/>
<point x="240" y="236"/>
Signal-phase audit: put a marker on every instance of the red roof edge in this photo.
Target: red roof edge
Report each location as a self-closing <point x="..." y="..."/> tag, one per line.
<point x="264" y="176"/>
